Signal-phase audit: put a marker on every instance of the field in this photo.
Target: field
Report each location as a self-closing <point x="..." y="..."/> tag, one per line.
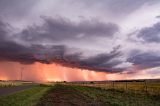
<point x="9" y="83"/>
<point x="27" y="97"/>
<point x="141" y="93"/>
<point x="13" y="83"/>
<point x="151" y="87"/>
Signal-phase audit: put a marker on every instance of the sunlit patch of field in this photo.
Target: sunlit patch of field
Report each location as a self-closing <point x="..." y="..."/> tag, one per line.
<point x="9" y="83"/>
<point x="13" y="83"/>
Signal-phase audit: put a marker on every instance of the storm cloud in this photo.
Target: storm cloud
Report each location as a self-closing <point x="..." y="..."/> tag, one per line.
<point x="146" y="60"/>
<point x="61" y="29"/>
<point x="150" y="34"/>
<point x="92" y="34"/>
<point x="58" y="30"/>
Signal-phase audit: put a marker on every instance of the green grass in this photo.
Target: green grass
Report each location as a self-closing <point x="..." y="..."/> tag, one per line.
<point x="64" y="95"/>
<point x="119" y="98"/>
<point x="153" y="88"/>
<point x="28" y="97"/>
<point x="45" y="94"/>
<point x="109" y="97"/>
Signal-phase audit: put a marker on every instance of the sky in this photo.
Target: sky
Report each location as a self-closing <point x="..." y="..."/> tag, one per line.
<point x="72" y="40"/>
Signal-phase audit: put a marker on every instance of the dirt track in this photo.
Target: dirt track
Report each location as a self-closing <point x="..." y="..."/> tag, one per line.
<point x="10" y="90"/>
<point x="67" y="96"/>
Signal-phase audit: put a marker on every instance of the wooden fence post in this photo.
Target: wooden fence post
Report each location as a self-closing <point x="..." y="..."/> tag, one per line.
<point x="113" y="84"/>
<point x="145" y="84"/>
<point x="126" y="85"/>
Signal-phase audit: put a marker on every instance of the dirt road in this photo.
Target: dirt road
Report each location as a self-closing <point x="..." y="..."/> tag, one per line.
<point x="10" y="90"/>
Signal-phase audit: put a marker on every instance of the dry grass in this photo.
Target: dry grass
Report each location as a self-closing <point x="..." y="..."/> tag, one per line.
<point x="12" y="83"/>
<point x="9" y="83"/>
<point x="152" y="88"/>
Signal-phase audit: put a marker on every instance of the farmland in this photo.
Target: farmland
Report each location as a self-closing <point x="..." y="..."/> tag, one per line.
<point x="104" y="93"/>
<point x="68" y="95"/>
<point x="151" y="87"/>
<point x="9" y="83"/>
<point x="28" y="97"/>
<point x="13" y="83"/>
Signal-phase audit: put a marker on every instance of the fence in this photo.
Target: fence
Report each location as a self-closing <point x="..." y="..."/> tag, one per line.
<point x="135" y="86"/>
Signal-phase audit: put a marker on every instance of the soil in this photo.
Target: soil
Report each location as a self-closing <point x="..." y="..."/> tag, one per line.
<point x="67" y="96"/>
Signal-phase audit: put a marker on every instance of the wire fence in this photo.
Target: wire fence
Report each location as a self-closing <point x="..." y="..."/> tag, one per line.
<point x="135" y="86"/>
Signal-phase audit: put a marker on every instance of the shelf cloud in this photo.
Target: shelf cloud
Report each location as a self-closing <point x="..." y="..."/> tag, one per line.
<point x="110" y="36"/>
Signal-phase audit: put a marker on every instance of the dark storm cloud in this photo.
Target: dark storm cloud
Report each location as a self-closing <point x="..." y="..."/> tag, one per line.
<point x="150" y="34"/>
<point x="60" y="29"/>
<point x="103" y="61"/>
<point x="100" y="62"/>
<point x="58" y="54"/>
<point x="147" y="60"/>
<point x="10" y="50"/>
<point x="81" y="33"/>
<point x="3" y="30"/>
<point x="13" y="51"/>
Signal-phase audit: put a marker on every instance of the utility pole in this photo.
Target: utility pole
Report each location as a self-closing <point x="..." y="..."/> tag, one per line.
<point x="22" y="73"/>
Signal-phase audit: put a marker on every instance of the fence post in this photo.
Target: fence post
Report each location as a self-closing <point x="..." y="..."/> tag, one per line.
<point x="126" y="85"/>
<point x="145" y="84"/>
<point x="113" y="84"/>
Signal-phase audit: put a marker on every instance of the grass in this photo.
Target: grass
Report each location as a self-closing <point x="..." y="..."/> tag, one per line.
<point x="9" y="83"/>
<point x="28" y="97"/>
<point x="104" y="97"/>
<point x="74" y="94"/>
<point x="119" y="98"/>
<point x="152" y="88"/>
<point x="65" y="95"/>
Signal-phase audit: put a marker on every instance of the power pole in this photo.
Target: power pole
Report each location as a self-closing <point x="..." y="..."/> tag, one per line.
<point x="22" y="73"/>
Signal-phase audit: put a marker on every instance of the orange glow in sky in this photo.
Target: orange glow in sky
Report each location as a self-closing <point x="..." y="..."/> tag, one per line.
<point x="39" y="72"/>
<point x="47" y="72"/>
